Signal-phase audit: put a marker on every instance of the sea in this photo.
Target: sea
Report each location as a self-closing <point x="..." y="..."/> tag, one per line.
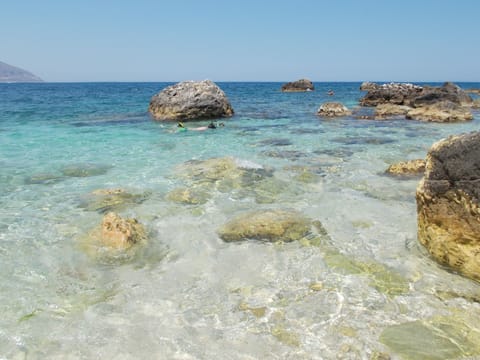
<point x="359" y="286"/>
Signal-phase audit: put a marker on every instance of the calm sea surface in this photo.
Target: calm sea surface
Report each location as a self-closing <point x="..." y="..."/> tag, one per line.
<point x="364" y="290"/>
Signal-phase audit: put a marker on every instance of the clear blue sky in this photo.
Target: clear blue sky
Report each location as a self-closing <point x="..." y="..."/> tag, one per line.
<point x="247" y="40"/>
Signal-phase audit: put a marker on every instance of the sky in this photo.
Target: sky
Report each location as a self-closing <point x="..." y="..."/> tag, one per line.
<point x="242" y="40"/>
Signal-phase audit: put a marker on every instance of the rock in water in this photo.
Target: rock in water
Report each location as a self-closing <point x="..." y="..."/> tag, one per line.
<point x="268" y="225"/>
<point x="333" y="109"/>
<point x="298" y="86"/>
<point x="407" y="168"/>
<point x="443" y="111"/>
<point x="448" y="203"/>
<point x="190" y="100"/>
<point x="118" y="233"/>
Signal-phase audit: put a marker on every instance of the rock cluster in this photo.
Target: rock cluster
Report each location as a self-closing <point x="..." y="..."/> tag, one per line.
<point x="190" y="100"/>
<point x="448" y="203"/>
<point x="333" y="109"/>
<point x="298" y="86"/>
<point x="446" y="103"/>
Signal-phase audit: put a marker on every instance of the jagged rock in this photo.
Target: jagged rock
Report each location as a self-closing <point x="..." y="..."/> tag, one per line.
<point x="383" y="111"/>
<point x="406" y="168"/>
<point x="118" y="233"/>
<point x="444" y="111"/>
<point x="367" y="86"/>
<point x="190" y="100"/>
<point x="298" y="86"/>
<point x="448" y="203"/>
<point x="267" y="225"/>
<point x="333" y="109"/>
<point x="414" y="95"/>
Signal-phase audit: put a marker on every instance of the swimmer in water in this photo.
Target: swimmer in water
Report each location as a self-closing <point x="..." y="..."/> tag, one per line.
<point x="212" y="125"/>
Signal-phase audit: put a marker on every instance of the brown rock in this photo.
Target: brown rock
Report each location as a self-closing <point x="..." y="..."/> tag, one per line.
<point x="119" y="233"/>
<point x="406" y="168"/>
<point x="448" y="203"/>
<point x="333" y="109"/>
<point x="444" y="111"/>
<point x="383" y="111"/>
<point x="268" y="225"/>
<point x="298" y="86"/>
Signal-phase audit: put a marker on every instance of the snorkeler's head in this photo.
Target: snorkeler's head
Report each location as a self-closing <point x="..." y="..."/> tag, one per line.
<point x="212" y="125"/>
<point x="180" y="125"/>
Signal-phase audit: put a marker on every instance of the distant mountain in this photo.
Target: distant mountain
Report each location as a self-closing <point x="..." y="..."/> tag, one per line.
<point x="9" y="73"/>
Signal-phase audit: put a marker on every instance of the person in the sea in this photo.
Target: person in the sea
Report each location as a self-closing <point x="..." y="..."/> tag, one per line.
<point x="212" y="125"/>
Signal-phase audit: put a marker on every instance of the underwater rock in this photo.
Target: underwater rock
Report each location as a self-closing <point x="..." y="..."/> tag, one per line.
<point x="276" y="142"/>
<point x="437" y="338"/>
<point x="407" y="168"/>
<point x="444" y="111"/>
<point x="448" y="209"/>
<point x="85" y="170"/>
<point x="267" y="225"/>
<point x="189" y="196"/>
<point x="292" y="155"/>
<point x="105" y="200"/>
<point x="333" y="109"/>
<point x="190" y="100"/>
<point x="118" y="233"/>
<point x="298" y="86"/>
<point x="43" y="178"/>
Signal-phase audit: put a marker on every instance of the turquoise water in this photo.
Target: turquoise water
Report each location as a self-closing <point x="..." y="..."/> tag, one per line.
<point x="187" y="294"/>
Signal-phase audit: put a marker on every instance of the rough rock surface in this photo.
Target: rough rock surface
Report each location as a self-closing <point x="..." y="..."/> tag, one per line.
<point x="407" y="168"/>
<point x="367" y="86"/>
<point x="448" y="203"/>
<point x="414" y="95"/>
<point x="444" y="111"/>
<point x="383" y="111"/>
<point x="190" y="100"/>
<point x="267" y="225"/>
<point x="298" y="86"/>
<point x="118" y="233"/>
<point x="333" y="109"/>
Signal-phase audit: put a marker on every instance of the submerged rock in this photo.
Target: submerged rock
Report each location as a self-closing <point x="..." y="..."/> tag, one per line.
<point x="333" y="109"/>
<point x="189" y="196"/>
<point x="190" y="100"/>
<point x="43" y="178"/>
<point x="407" y="168"/>
<point x="105" y="200"/>
<point x="85" y="170"/>
<point x="298" y="86"/>
<point x="267" y="225"/>
<point x="436" y="338"/>
<point x="448" y="203"/>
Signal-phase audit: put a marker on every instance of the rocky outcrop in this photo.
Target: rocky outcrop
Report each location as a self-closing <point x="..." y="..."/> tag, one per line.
<point x="414" y="95"/>
<point x="407" y="168"/>
<point x="266" y="225"/>
<point x="448" y="203"/>
<point x="444" y="111"/>
<point x="9" y="73"/>
<point x="298" y="86"/>
<point x="190" y="100"/>
<point x="367" y="86"/>
<point x="333" y="109"/>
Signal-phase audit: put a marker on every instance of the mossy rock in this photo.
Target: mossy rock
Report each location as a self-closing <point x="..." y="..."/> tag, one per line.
<point x="267" y="225"/>
<point x="189" y="196"/>
<point x="85" y="170"/>
<point x="105" y="200"/>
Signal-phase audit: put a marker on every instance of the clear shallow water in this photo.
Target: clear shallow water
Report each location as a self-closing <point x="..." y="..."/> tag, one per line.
<point x="187" y="294"/>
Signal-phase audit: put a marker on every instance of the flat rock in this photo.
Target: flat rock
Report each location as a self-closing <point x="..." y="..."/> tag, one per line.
<point x="190" y="100"/>
<point x="444" y="111"/>
<point x="266" y="225"/>
<point x="448" y="204"/>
